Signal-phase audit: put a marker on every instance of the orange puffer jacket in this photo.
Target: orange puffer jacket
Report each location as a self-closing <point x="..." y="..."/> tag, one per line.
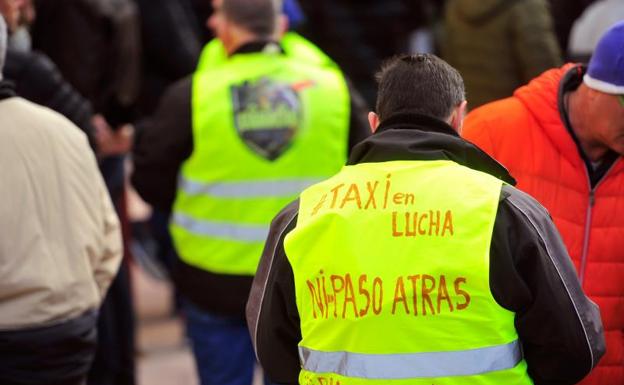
<point x="526" y="134"/>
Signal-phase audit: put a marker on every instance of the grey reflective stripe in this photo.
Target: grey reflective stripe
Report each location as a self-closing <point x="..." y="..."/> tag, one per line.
<point x="274" y="188"/>
<point x="413" y="365"/>
<point x="234" y="231"/>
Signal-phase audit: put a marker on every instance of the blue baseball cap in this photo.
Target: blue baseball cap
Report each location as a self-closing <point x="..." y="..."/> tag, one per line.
<point x="605" y="72"/>
<point x="292" y="9"/>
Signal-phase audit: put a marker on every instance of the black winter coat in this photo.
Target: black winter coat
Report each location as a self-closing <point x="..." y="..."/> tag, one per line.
<point x="37" y="79"/>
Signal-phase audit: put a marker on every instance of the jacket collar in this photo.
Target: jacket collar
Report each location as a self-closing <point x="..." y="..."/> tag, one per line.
<point x="541" y="97"/>
<point x="7" y="89"/>
<point x="255" y="46"/>
<point x="419" y="137"/>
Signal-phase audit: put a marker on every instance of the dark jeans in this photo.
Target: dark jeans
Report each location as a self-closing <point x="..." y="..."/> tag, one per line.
<point x="222" y="347"/>
<point x="60" y="354"/>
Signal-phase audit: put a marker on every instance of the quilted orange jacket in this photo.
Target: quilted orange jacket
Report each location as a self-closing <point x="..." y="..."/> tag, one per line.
<point x="526" y="134"/>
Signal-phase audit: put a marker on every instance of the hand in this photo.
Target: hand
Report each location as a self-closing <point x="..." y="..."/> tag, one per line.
<point x="111" y="142"/>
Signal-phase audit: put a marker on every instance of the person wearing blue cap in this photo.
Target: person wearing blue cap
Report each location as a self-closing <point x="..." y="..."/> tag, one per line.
<point x="562" y="137"/>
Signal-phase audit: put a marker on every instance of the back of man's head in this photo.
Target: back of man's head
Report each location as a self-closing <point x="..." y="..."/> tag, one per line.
<point x="421" y="83"/>
<point x="3" y="44"/>
<point x="259" y="17"/>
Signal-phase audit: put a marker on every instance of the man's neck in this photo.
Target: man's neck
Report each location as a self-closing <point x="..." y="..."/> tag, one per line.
<point x="594" y="150"/>
<point x="233" y="47"/>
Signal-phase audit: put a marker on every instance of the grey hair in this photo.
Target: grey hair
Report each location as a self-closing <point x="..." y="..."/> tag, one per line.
<point x="259" y="17"/>
<point x="3" y="44"/>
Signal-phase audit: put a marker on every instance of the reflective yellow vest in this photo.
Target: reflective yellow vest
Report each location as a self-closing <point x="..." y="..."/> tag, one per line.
<point x="391" y="265"/>
<point x="229" y="190"/>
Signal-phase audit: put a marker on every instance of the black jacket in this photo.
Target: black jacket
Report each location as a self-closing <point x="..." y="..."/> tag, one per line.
<point x="530" y="271"/>
<point x="96" y="45"/>
<point x="162" y="144"/>
<point x="37" y="79"/>
<point x="360" y="34"/>
<point x="171" y="39"/>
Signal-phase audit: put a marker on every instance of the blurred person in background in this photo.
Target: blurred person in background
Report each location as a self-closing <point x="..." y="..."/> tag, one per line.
<point x="203" y="9"/>
<point x="591" y="25"/>
<point x="60" y="246"/>
<point x="562" y="137"/>
<point x="359" y="34"/>
<point x="243" y="135"/>
<point x="498" y="45"/>
<point x="172" y="39"/>
<point x="37" y="79"/>
<point x="171" y="43"/>
<point x="166" y="24"/>
<point x="96" y="45"/>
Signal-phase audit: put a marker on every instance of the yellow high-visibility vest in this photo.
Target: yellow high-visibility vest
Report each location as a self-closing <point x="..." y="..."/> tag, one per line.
<point x="391" y="266"/>
<point x="229" y="190"/>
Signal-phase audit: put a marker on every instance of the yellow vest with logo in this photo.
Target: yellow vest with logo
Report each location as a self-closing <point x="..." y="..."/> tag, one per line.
<point x="229" y="190"/>
<point x="391" y="265"/>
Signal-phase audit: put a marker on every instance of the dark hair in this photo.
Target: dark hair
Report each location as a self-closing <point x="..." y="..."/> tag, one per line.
<point x="256" y="16"/>
<point x="421" y="83"/>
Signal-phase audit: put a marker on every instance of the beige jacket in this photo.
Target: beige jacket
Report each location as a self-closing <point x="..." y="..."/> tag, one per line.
<point x="60" y="241"/>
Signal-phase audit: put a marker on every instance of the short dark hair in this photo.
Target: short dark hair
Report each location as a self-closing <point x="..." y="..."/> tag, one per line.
<point x="256" y="16"/>
<point x="420" y="83"/>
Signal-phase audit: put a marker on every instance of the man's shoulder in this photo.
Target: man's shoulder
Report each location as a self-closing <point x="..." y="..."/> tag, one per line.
<point x="28" y="115"/>
<point x="496" y="124"/>
<point x="520" y="199"/>
<point x="508" y="111"/>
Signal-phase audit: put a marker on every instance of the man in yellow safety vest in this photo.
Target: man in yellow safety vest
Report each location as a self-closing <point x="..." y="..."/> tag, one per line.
<point x="419" y="263"/>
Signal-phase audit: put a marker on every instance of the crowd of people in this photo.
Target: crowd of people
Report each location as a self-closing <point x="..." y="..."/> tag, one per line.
<point x="340" y="191"/>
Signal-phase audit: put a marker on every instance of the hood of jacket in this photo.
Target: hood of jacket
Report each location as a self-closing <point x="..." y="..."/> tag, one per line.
<point x="419" y="137"/>
<point x="541" y="98"/>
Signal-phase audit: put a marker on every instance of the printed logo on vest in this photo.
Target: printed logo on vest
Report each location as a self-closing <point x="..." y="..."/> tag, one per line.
<point x="267" y="115"/>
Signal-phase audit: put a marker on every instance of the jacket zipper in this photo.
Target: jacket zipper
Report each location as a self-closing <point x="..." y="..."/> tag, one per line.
<point x="588" y="218"/>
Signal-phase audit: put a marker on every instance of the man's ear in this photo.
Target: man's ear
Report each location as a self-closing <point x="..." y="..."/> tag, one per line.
<point x="373" y="121"/>
<point x="458" y="115"/>
<point x="282" y="26"/>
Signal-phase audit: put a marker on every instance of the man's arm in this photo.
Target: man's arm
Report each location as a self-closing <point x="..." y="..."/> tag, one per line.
<point x="533" y="276"/>
<point x="162" y="144"/>
<point x="38" y="79"/>
<point x="272" y="314"/>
